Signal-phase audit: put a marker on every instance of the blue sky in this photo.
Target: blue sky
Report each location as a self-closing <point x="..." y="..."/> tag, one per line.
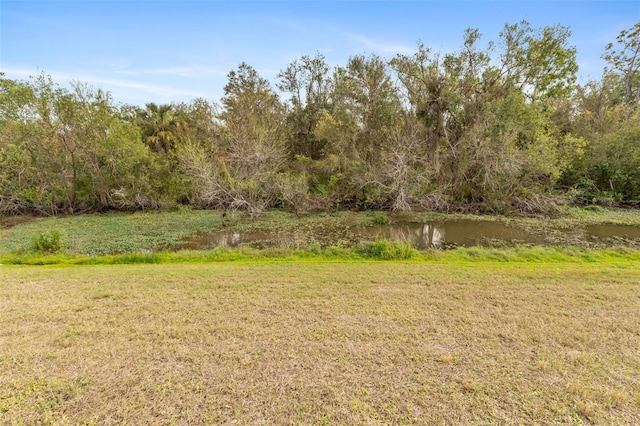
<point x="163" y="51"/>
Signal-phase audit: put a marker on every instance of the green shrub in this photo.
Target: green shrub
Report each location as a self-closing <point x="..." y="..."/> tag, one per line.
<point x="47" y="242"/>
<point x="386" y="250"/>
<point x="136" y="258"/>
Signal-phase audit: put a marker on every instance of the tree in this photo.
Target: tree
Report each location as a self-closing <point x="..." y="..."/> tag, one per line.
<point x="164" y="130"/>
<point x="405" y="176"/>
<point x="605" y="116"/>
<point x="199" y="122"/>
<point x="251" y="147"/>
<point x="429" y="97"/>
<point x="116" y="168"/>
<point x="608" y="172"/>
<point x="487" y="113"/>
<point x="538" y="62"/>
<point x="626" y="62"/>
<point x="308" y="82"/>
<point x="16" y="110"/>
<point x="68" y="151"/>
<point x="161" y="126"/>
<point x="364" y="116"/>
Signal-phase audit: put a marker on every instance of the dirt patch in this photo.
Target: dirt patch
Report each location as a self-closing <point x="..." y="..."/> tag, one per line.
<point x="11" y="221"/>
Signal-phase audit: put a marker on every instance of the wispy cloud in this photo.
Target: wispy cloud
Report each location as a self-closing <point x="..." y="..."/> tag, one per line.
<point x="381" y="46"/>
<point x="106" y="83"/>
<point x="186" y="72"/>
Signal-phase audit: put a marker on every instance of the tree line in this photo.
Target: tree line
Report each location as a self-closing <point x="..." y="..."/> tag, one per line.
<point x="496" y="127"/>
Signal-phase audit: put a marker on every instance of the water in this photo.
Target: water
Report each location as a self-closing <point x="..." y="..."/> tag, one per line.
<point x="210" y="240"/>
<point x="422" y="236"/>
<point x="438" y="235"/>
<point x="608" y="231"/>
<point x="458" y="233"/>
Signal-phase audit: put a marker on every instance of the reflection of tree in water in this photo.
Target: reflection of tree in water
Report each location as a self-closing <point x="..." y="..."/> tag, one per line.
<point x="432" y="236"/>
<point x="219" y="239"/>
<point x="234" y="240"/>
<point x="421" y="236"/>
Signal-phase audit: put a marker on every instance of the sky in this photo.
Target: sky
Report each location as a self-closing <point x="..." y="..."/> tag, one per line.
<point x="173" y="51"/>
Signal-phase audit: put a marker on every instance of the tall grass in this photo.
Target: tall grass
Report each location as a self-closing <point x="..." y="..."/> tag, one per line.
<point x="387" y="250"/>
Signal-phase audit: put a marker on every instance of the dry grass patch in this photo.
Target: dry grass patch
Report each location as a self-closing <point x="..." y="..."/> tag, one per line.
<point x="321" y="343"/>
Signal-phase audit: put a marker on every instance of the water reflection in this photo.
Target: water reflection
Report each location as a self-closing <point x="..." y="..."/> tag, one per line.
<point x="210" y="240"/>
<point x="451" y="233"/>
<point x="422" y="236"/>
<point x="432" y="236"/>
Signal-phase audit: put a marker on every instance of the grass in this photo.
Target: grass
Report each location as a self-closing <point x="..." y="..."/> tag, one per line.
<point x="369" y="251"/>
<point x="318" y="342"/>
<point x="101" y="234"/>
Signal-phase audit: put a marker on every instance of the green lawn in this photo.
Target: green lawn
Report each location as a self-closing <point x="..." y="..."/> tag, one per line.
<point x="318" y="342"/>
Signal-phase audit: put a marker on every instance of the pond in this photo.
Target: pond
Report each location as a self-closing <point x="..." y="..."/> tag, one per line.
<point x="438" y="235"/>
<point x="210" y="240"/>
<point x="458" y="233"/>
<point x="610" y="231"/>
<point x="442" y="234"/>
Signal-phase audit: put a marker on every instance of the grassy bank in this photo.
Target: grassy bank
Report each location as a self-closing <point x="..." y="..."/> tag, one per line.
<point x="364" y="252"/>
<point x="321" y="343"/>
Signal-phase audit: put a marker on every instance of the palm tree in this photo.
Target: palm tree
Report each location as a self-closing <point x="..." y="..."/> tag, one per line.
<point x="161" y="126"/>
